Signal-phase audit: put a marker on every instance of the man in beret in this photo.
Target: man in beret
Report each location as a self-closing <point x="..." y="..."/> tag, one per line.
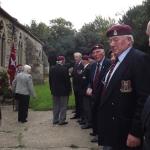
<point x="126" y="88"/>
<point x="60" y="87"/>
<point x="86" y="105"/>
<point x="97" y="72"/>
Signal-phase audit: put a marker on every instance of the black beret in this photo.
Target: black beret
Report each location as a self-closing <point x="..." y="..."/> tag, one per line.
<point x="85" y="57"/>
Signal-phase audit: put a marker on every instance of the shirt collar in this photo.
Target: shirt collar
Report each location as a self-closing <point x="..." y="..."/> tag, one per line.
<point x="123" y="54"/>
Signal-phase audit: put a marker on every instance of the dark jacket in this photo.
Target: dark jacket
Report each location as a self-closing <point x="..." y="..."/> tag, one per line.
<point x="104" y="68"/>
<point x="59" y="80"/>
<point x="146" y="124"/>
<point x="85" y="78"/>
<point x="77" y="77"/>
<point x="121" y="105"/>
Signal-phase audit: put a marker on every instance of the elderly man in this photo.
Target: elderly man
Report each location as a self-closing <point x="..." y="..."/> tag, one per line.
<point x="98" y="70"/>
<point x="125" y="91"/>
<point x="77" y="86"/>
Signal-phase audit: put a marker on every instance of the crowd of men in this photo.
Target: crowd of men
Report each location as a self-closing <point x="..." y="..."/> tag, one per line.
<point x="112" y="96"/>
<point x="109" y="93"/>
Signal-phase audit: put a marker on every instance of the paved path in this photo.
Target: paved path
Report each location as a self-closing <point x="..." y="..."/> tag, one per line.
<point x="39" y="133"/>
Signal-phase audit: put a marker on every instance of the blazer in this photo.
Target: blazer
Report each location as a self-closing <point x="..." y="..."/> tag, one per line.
<point x="121" y="104"/>
<point x="77" y="77"/>
<point x="104" y="68"/>
<point x="59" y="80"/>
<point x="85" y="78"/>
<point x="146" y="124"/>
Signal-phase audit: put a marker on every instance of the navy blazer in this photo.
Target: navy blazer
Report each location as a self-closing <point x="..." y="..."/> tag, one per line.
<point x="121" y="105"/>
<point x="77" y="77"/>
<point x="104" y="68"/>
<point x="146" y="124"/>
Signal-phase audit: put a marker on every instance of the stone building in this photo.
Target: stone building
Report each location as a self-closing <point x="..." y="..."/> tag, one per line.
<point x="29" y="49"/>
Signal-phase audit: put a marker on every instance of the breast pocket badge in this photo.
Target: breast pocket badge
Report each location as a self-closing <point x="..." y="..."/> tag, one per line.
<point x="126" y="86"/>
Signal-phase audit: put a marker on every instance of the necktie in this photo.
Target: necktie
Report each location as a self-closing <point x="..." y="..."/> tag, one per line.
<point x="96" y="77"/>
<point x="109" y="75"/>
<point x="110" y="71"/>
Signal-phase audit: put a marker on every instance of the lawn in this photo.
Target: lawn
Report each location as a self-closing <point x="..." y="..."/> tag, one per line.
<point x="43" y="100"/>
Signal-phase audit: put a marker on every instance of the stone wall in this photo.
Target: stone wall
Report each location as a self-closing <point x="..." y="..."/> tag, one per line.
<point x="29" y="49"/>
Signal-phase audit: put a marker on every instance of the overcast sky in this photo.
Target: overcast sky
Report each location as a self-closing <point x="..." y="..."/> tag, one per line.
<point x="76" y="11"/>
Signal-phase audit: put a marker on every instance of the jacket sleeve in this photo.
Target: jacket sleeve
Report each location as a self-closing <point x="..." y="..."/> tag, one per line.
<point x="142" y="89"/>
<point x="30" y="86"/>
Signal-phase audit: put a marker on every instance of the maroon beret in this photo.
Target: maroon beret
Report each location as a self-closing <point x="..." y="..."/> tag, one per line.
<point x="97" y="46"/>
<point x="19" y="65"/>
<point x="85" y="57"/>
<point x="60" y="58"/>
<point x="120" y="29"/>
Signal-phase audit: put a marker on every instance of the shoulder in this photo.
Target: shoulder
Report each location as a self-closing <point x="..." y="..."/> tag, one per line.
<point x="107" y="61"/>
<point x="139" y="55"/>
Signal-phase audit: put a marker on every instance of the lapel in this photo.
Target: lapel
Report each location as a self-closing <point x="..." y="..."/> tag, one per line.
<point x="103" y="67"/>
<point x="117" y="76"/>
<point x="93" y="71"/>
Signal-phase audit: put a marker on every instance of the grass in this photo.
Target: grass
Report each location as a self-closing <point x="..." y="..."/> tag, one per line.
<point x="43" y="100"/>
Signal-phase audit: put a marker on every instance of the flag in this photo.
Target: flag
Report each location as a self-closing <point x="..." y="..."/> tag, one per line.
<point x="12" y="64"/>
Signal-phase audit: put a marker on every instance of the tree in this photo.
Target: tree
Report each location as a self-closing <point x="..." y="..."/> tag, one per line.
<point x="61" y="36"/>
<point x="137" y="18"/>
<point x="93" y="33"/>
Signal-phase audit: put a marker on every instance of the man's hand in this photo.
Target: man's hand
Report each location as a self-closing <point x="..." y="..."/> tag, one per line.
<point x="89" y="92"/>
<point x="133" y="141"/>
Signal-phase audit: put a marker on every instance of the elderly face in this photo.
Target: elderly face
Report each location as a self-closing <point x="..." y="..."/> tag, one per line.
<point x="98" y="54"/>
<point x="77" y="58"/>
<point x="119" y="43"/>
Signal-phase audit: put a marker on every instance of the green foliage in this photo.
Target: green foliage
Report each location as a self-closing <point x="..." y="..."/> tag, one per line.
<point x="61" y="39"/>
<point x="4" y="83"/>
<point x="137" y="18"/>
<point x="43" y="101"/>
<point x="93" y="33"/>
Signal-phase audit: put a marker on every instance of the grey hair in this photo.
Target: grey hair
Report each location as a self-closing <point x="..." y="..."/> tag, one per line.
<point x="26" y="68"/>
<point x="132" y="38"/>
<point x="77" y="54"/>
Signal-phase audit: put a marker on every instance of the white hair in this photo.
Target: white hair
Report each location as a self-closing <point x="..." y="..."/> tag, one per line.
<point x="131" y="37"/>
<point x="77" y="54"/>
<point x="26" y="68"/>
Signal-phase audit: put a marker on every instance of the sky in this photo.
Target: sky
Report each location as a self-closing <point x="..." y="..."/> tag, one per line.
<point x="78" y="12"/>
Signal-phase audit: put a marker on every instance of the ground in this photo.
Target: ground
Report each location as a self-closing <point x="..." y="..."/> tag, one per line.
<point x="40" y="134"/>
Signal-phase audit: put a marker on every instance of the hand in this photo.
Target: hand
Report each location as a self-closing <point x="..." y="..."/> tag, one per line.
<point x="133" y="141"/>
<point x="89" y="92"/>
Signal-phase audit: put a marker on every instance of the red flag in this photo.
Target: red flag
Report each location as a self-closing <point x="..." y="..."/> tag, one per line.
<point x="12" y="64"/>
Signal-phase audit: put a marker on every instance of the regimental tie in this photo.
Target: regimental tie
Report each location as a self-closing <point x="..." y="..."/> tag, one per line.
<point x="96" y="77"/>
<point x="111" y="68"/>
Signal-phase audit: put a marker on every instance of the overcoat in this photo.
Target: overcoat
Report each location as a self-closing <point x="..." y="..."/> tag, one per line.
<point x="59" y="80"/>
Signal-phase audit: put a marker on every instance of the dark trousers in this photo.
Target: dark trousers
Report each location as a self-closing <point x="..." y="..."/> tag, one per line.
<point x="87" y="107"/>
<point x="23" y="104"/>
<point x="78" y="103"/>
<point x="126" y="148"/>
<point x="95" y="104"/>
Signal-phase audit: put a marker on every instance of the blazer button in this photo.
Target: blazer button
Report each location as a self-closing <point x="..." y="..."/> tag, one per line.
<point x="113" y="118"/>
<point x="112" y="104"/>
